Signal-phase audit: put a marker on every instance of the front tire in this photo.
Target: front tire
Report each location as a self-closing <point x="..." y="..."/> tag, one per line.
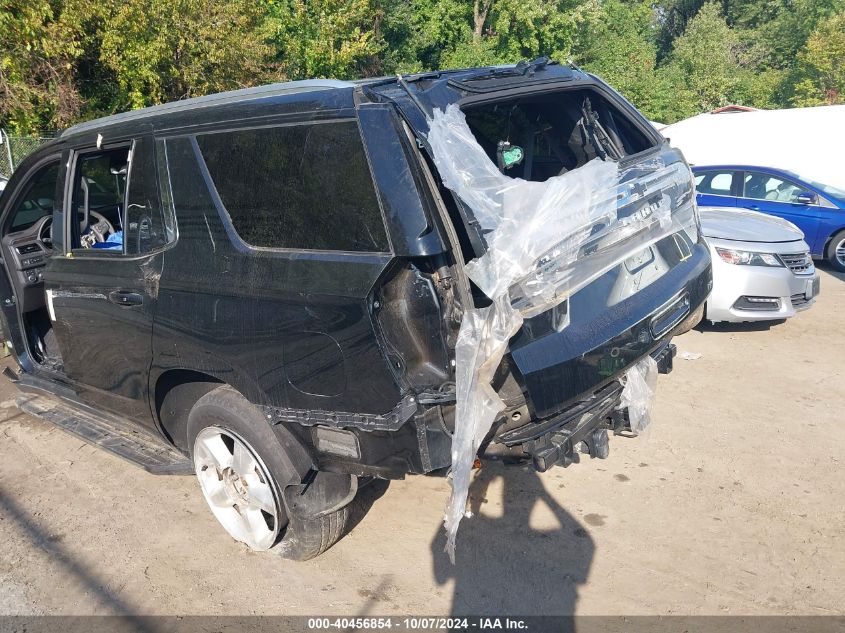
<point x="237" y="459"/>
<point x="836" y="252"/>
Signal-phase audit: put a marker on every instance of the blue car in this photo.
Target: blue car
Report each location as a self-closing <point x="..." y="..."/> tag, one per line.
<point x="817" y="209"/>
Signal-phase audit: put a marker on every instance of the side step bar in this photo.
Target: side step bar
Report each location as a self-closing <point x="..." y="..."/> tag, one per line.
<point x="122" y="439"/>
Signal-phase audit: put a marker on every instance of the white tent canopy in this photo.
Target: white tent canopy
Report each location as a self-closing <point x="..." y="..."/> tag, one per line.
<point x="807" y="141"/>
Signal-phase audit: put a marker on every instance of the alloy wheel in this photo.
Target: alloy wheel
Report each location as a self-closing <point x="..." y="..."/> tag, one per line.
<point x="839" y="252"/>
<point x="237" y="487"/>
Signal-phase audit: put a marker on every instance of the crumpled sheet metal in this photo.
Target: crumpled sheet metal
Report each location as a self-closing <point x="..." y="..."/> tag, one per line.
<point x="545" y="241"/>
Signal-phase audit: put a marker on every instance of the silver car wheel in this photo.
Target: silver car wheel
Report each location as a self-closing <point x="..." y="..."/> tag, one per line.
<point x="839" y="252"/>
<point x="237" y="487"/>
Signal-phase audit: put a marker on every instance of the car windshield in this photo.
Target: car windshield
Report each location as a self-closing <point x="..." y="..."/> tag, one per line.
<point x="834" y="192"/>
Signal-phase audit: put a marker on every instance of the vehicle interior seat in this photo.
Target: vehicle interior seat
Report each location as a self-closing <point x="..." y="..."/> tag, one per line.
<point x="755" y="187"/>
<point x="787" y="192"/>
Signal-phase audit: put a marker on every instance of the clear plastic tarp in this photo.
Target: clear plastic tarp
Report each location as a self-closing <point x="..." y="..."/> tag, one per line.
<point x="545" y="241"/>
<point x="638" y="394"/>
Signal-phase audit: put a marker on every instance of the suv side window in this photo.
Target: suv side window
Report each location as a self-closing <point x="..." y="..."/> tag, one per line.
<point x="37" y="202"/>
<point x="115" y="196"/>
<point x="149" y="225"/>
<point x="716" y="183"/>
<point x="99" y="188"/>
<point x="762" y="186"/>
<point x="304" y="187"/>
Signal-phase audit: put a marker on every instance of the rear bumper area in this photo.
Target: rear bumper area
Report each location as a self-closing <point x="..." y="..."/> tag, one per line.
<point x="559" y="440"/>
<point x="556" y="441"/>
<point x="601" y="341"/>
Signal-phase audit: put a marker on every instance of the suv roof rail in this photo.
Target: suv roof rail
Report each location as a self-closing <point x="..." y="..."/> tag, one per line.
<point x="221" y="98"/>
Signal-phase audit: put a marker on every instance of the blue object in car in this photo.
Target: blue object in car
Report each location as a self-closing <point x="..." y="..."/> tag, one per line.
<point x="815" y="208"/>
<point x="114" y="242"/>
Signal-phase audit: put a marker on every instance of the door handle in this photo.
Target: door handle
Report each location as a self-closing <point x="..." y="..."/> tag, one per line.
<point x="126" y="298"/>
<point x="754" y="207"/>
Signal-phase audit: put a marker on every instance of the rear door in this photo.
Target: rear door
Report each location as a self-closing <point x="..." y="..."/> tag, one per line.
<point x="281" y="241"/>
<point x="102" y="294"/>
<point x="715" y="188"/>
<point x="773" y="194"/>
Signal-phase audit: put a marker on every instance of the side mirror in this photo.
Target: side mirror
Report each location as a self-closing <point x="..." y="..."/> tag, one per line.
<point x="806" y="197"/>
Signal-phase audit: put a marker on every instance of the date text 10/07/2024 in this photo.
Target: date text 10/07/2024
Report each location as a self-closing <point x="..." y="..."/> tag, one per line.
<point x="418" y="623"/>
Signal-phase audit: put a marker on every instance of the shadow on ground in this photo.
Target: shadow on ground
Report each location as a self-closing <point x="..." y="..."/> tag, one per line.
<point x="505" y="566"/>
<point x="365" y="499"/>
<point x="830" y="270"/>
<point x="751" y="326"/>
<point x="80" y="573"/>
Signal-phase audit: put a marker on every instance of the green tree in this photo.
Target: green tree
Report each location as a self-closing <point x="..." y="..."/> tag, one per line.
<point x="439" y="27"/>
<point x="37" y="56"/>
<point x="673" y="16"/>
<point x="162" y="50"/>
<point x="821" y="64"/>
<point x="61" y="60"/>
<point x="485" y="32"/>
<point x="397" y="27"/>
<point x="619" y="44"/>
<point x="788" y="30"/>
<point x="524" y="29"/>
<point x="711" y="65"/>
<point x="327" y="38"/>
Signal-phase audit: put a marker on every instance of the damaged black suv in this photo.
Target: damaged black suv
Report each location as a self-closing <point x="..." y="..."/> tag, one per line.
<point x="265" y="287"/>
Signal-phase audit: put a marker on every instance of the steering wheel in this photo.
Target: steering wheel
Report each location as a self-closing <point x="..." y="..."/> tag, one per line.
<point x="97" y="232"/>
<point x="102" y="223"/>
<point x="45" y="232"/>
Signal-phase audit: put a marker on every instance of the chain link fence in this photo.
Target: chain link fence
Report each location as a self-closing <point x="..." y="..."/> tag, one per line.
<point x="13" y="149"/>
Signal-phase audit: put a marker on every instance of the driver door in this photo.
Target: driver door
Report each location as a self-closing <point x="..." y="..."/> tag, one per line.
<point x="102" y="293"/>
<point x="778" y="196"/>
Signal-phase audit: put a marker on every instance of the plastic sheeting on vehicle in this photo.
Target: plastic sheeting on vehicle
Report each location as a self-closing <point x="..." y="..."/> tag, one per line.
<point x="638" y="394"/>
<point x="545" y="241"/>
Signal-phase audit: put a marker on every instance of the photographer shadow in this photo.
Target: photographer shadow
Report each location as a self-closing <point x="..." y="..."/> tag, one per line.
<point x="505" y="567"/>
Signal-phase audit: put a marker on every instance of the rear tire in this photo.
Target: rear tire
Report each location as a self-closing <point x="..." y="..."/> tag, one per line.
<point x="223" y="420"/>
<point x="308" y="538"/>
<point x="836" y="252"/>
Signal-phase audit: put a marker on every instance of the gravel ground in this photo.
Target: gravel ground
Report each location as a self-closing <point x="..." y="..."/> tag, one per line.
<point x="733" y="504"/>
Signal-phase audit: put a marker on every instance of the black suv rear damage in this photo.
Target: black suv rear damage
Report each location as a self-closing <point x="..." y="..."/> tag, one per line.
<point x="266" y="287"/>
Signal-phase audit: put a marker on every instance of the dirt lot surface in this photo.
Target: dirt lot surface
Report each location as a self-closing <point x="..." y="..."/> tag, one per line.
<point x="732" y="505"/>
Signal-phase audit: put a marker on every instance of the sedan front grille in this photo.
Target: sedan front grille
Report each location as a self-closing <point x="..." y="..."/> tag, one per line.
<point x="799" y="263"/>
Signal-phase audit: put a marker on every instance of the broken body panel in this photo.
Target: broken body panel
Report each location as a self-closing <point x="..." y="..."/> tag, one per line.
<point x="355" y="357"/>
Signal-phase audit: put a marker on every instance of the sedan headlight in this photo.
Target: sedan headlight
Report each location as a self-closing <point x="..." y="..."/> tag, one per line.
<point x="748" y="258"/>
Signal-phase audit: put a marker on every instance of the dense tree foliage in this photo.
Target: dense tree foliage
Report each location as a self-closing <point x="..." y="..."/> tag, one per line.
<point x="821" y="69"/>
<point x="160" y="51"/>
<point x="64" y="60"/>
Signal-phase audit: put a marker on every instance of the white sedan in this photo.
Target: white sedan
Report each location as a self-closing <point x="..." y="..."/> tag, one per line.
<point x="762" y="267"/>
